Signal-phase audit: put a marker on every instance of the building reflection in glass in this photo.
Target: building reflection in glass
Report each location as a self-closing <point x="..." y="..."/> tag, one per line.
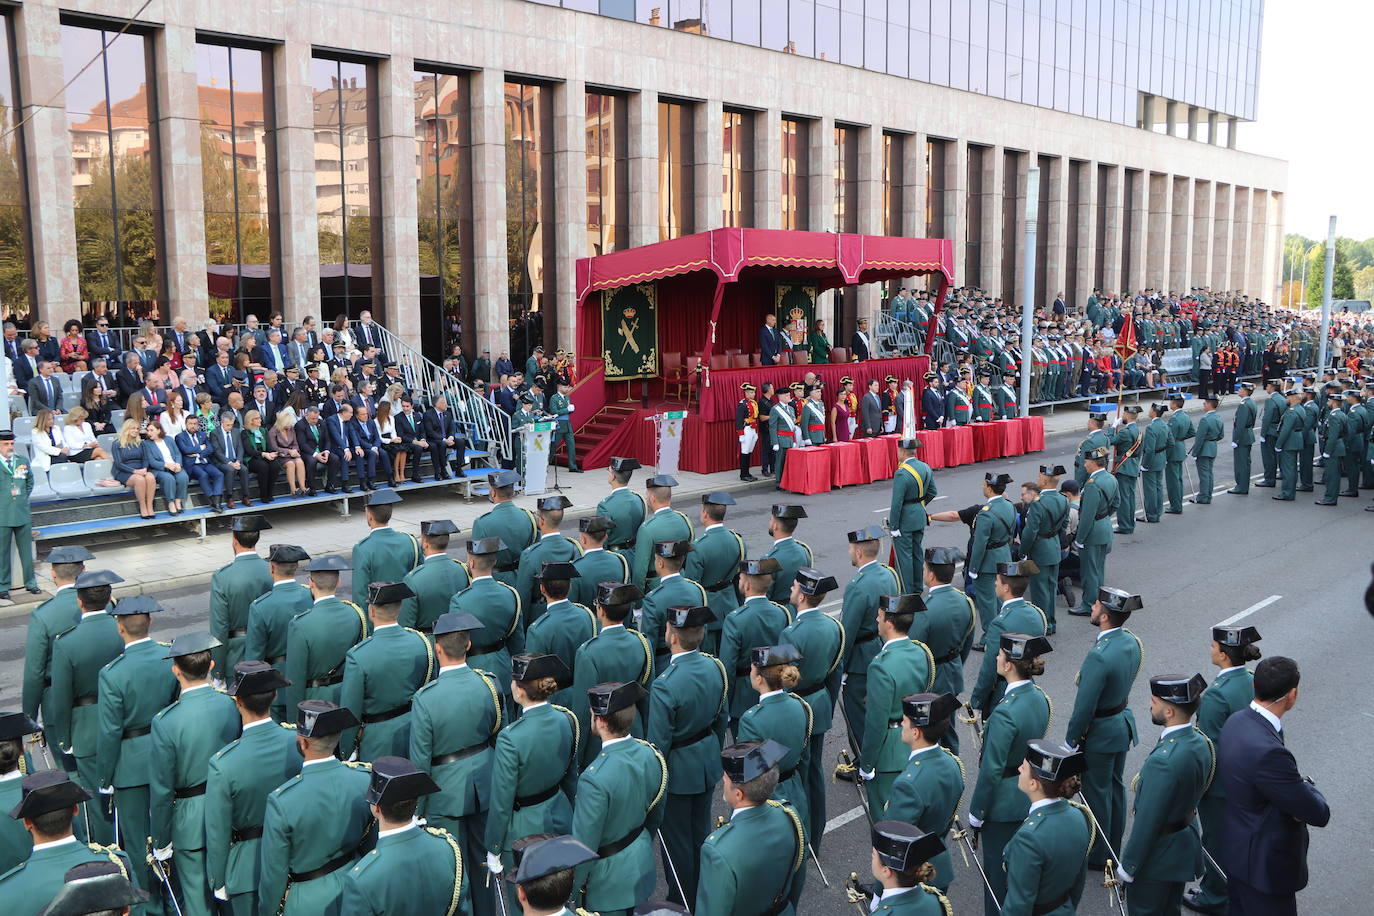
<point x="675" y="167"/>
<point x="529" y="213"/>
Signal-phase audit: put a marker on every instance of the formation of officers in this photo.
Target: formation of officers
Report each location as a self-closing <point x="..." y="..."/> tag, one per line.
<point x="548" y="712"/>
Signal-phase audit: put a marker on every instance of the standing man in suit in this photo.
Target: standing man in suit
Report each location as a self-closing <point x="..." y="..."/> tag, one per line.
<point x="770" y="340"/>
<point x="860" y="345"/>
<point x="871" y="411"/>
<point x="1270" y="804"/>
<point x="368" y="333"/>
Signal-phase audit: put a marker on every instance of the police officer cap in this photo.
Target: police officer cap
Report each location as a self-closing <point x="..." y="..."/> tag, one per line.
<point x="531" y="667"/>
<point x="1132" y="409"/>
<point x="687" y="616"/>
<point x="901" y="604"/>
<point x="314" y="367"/>
<point x="890" y="378"/>
<point x="672" y="549"/>
<point x="909" y="445"/>
<point x="930" y="376"/>
<point x="485" y="547"/>
<point x="502" y="479"/>
<point x="396" y="779"/>
<point x="558" y="570"/>
<point x="97" y="577"/>
<point x="544" y="856"/>
<point x="321" y="718"/>
<point x="286" y="553"/>
<point x="384" y="497"/>
<point x="1299" y="392"/>
<point x="748" y="760"/>
<point x="660" y="481"/>
<point x="767" y="566"/>
<point x="250" y="523"/>
<point x="768" y="656"/>
<point x="456" y="622"/>
<point x="191" y="643"/>
<point x="1099" y="417"/>
<point x="252" y="676"/>
<point x="814" y="582"/>
<point x="780" y="511"/>
<point x="613" y="593"/>
<point x="550" y="503"/>
<point x="1177" y="396"/>
<point x="16" y="725"/>
<point x="929" y="708"/>
<point x="94" y="887"/>
<point x="717" y="498"/>
<point x="1250" y="386"/>
<point x="330" y="562"/>
<point x="1178" y="688"/>
<point x="73" y="554"/>
<point x="902" y="847"/>
<point x="135" y="604"/>
<point x="438" y="526"/>
<point x="595" y="524"/>
<point x="944" y="556"/>
<point x="612" y="697"/>
<point x="1023" y="645"/>
<point x="621" y="465"/>
<point x="1118" y="601"/>
<point x="526" y="398"/>
<point x="796" y="386"/>
<point x="1052" y="761"/>
<point x="997" y="480"/>
<point x="867" y="533"/>
<point x="1159" y="408"/>
<point x="748" y="386"/>
<point x="1053" y="470"/>
<point x="383" y="593"/>
<point x="1235" y="636"/>
<point x="47" y="790"/>
<point x="1018" y="570"/>
<point x="1096" y="454"/>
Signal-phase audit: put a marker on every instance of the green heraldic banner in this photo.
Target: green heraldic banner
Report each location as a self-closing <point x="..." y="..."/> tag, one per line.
<point x="629" y="332"/>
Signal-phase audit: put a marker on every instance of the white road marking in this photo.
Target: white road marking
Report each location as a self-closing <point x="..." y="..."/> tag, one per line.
<point x="839" y="820"/>
<point x="1257" y="606"/>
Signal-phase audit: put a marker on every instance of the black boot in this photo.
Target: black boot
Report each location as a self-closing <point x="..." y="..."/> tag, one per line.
<point x="744" y="468"/>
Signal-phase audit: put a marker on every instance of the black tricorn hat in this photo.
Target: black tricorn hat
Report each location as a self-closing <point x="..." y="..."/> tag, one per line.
<point x="1053" y="470"/>
<point x="396" y="779"/>
<point x="768" y="656"/>
<point x="1052" y="761"/>
<point x="94" y="887"/>
<point x="286" y="553"/>
<point x="557" y="569"/>
<point x="927" y="708"/>
<point x="687" y="616"/>
<point x="438" y="526"/>
<point x="595" y="524"/>
<point x="16" y="725"/>
<point x="901" y="604"/>
<point x="531" y="667"/>
<point x="765" y="566"/>
<point x="621" y="465"/>
<point x="538" y="857"/>
<point x="672" y="549"/>
<point x="45" y="791"/>
<point x="781" y="511"/>
<point x="1018" y="570"/>
<point x="485" y="547"/>
<point x="252" y="676"/>
<point x="814" y="582"/>
<point x="617" y="593"/>
<point x="456" y="622"/>
<point x="1023" y="645"/>
<point x="1118" y="601"/>
<point x="95" y="578"/>
<point x="866" y="533"/>
<point x="901" y="846"/>
<point x="383" y="593"/>
<point x="249" y="523"/>
<point x="1178" y="688"/>
<point x="944" y="556"/>
<point x="997" y="480"/>
<point x="1235" y="636"/>
<point x="748" y="760"/>
<point x="611" y="697"/>
<point x="315" y="718"/>
<point x="550" y="503"/>
<point x="191" y="644"/>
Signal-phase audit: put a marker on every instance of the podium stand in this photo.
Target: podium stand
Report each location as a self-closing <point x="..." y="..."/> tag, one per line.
<point x="671" y="426"/>
<point x="535" y="438"/>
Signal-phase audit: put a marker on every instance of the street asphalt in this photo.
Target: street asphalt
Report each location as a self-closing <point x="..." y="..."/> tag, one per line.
<point x="1296" y="571"/>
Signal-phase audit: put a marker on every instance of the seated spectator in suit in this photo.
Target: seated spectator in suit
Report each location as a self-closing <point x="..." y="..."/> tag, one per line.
<point x="153" y="390"/>
<point x="130" y="467"/>
<point x="146" y="357"/>
<point x="26" y="365"/>
<point x="274" y="356"/>
<point x="164" y="461"/>
<point x="226" y="444"/>
<point x="101" y="341"/>
<point x="298" y="349"/>
<point x="365" y="396"/>
<point x="338" y="397"/>
<point x="368" y="455"/>
<point x="48" y="347"/>
<point x="44" y="391"/>
<point x="199" y="461"/>
<point x="410" y="441"/>
<point x="770" y="341"/>
<point x="188" y="388"/>
<point x="263" y="404"/>
<point x="311" y="439"/>
<point x="441" y="431"/>
<point x="219" y="377"/>
<point x="342" y="447"/>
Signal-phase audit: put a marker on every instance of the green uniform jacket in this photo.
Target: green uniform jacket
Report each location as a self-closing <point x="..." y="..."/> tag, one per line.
<point x="1209" y="433"/>
<point x="926" y="794"/>
<point x="946" y="627"/>
<point x="14" y="510"/>
<point x="1096" y="506"/>
<point x="185" y="736"/>
<point x="497" y="605"/>
<point x="1047" y="860"/>
<point x="620" y="794"/>
<point x="671" y="591"/>
<point x="419" y="870"/>
<point x="1023" y="714"/>
<point x="687" y="705"/>
<point x="1154" y="451"/>
<point x="381" y="674"/>
<point x="666" y="524"/>
<point x="913" y="487"/>
<point x="617" y="654"/>
<point x="314" y="818"/>
<point x="1127" y="443"/>
<point x="435" y="581"/>
<point x="755" y="623"/>
<point x="15" y="842"/>
<point x="269" y="617"/>
<point x="625" y="508"/>
<point x="550" y="548"/>
<point x="536" y="760"/>
<point x="232" y="590"/>
<point x="748" y="865"/>
<point x="1096" y="439"/>
<point x="559" y="405"/>
<point x="317" y="643"/>
<point x="788" y="720"/>
<point x="1164" y="845"/>
<point x="813" y="422"/>
<point x="1181" y="426"/>
<point x="1045" y="518"/>
<point x="992" y="534"/>
<point x="561" y="631"/>
<point x="1231" y="692"/>
<point x="1243" y="423"/>
<point x="56" y="615"/>
<point x="78" y="656"/>
<point x="921" y="900"/>
<point x="783" y="429"/>
<point x="901" y="668"/>
<point x="239" y="779"/>
<point x="1289" y="437"/>
<point x="460" y="710"/>
<point x="859" y="614"/>
<point x="134" y="687"/>
<point x="594" y="567"/>
<point x="1334" y="443"/>
<point x="385" y="555"/>
<point x="29" y="887"/>
<point x="820" y="639"/>
<point x="515" y="527"/>
<point x="791" y="555"/>
<point x="1015" y="616"/>
<point x="1102" y="721"/>
<point x="714" y="561"/>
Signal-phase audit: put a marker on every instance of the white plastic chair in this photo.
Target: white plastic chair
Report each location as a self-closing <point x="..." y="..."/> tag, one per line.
<point x="67" y="480"/>
<point x="23" y="429"/>
<point x="42" y="492"/>
<point x="97" y="470"/>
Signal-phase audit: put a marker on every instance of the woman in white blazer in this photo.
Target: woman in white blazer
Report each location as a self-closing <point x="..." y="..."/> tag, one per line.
<point x="82" y="446"/>
<point x="49" y="447"/>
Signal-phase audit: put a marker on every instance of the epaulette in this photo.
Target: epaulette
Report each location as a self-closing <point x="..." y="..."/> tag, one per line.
<point x="804" y="546"/>
<point x="224" y="750"/>
<point x="358" y="765"/>
<point x="941" y="898"/>
<point x="165" y="645"/>
<point x="289" y="783"/>
<point x="290" y="725"/>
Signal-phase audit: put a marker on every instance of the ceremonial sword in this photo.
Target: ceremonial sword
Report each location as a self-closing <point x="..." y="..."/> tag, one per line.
<point x="858" y="785"/>
<point x="671" y="867"/>
<point x="162" y="876"/>
<point x="959" y="833"/>
<point x="1109" y="879"/>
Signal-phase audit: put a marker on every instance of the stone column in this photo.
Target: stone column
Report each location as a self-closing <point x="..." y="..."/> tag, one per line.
<point x="1055" y="225"/>
<point x="1171" y="118"/>
<point x="400" y="267"/>
<point x="1156" y="273"/>
<point x="490" y="285"/>
<point x="956" y="207"/>
<point x="1213" y="128"/>
<point x="643" y="167"/>
<point x="1202" y="272"/>
<point x="1232" y="128"/>
<point x="1084" y="235"/>
<point x="183" y="202"/>
<point x="1114" y="234"/>
<point x="298" y="222"/>
<point x="822" y="204"/>
<point x="1193" y="121"/>
<point x="991" y="232"/>
<point x="914" y="194"/>
<point x="570" y="203"/>
<point x="1181" y="228"/>
<point x="768" y="169"/>
<point x="1223" y="199"/>
<point x="870" y="201"/>
<point x="1273" y="255"/>
<point x="1240" y="240"/>
<point x="1259" y="229"/>
<point x="709" y="159"/>
<point x="1138" y="240"/>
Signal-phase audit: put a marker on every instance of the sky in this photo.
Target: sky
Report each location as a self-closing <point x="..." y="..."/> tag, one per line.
<point x="1314" y="72"/>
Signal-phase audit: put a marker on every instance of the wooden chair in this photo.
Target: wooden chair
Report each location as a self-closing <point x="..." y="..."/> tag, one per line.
<point x="692" y="376"/>
<point x="801" y="358"/>
<point x="839" y="355"/>
<point x="674" y="374"/>
<point x="719" y="361"/>
<point x="739" y="360"/>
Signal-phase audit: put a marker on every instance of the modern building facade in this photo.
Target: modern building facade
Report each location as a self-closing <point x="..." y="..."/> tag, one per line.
<point x="445" y="165"/>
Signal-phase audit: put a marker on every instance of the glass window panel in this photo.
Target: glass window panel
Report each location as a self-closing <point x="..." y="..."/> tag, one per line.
<point x="939" y="17"/>
<point x="1045" y="99"/>
<point x="997" y="26"/>
<point x="898" y="60"/>
<point x="737" y="169"/>
<point x="875" y="45"/>
<point x="773" y="35"/>
<point x="939" y="60"/>
<point x="796" y="174"/>
<point x="959" y="65"/>
<point x="978" y="70"/>
<point x="607" y="172"/>
<point x="529" y="213"/>
<point x="443" y="163"/>
<point x="919" y="60"/>
<point x="959" y="20"/>
<point x="920" y="14"/>
<point x="675" y="170"/>
<point x="852" y="39"/>
<point x="898" y="12"/>
<point x="801" y="26"/>
<point x="997" y="74"/>
<point x="1061" y="89"/>
<point x="745" y="23"/>
<point x="827" y="32"/>
<point x="16" y="275"/>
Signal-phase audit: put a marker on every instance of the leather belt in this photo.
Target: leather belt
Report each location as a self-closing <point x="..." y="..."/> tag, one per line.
<point x="946" y="659"/>
<point x="507" y="567"/>
<point x="692" y="738"/>
<point x="89" y="699"/>
<point x="1107" y="713"/>
<point x="236" y="634"/>
<point x="329" y="680"/>
<point x="526" y="801"/>
<point x="329" y="867"/>
<point x="190" y="791"/>
<point x="488" y="649"/>
<point x="786" y="775"/>
<point x="621" y="844"/>
<point x="1176" y="826"/>
<point x="994" y="545"/>
<point x="388" y="715"/>
<point x="138" y="731"/>
<point x="275" y="660"/>
<point x="720" y="586"/>
<point x="441" y="759"/>
<point x="245" y="834"/>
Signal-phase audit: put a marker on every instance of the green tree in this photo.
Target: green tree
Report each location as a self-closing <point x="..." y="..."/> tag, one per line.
<point x="1343" y="279"/>
<point x="1364" y="283"/>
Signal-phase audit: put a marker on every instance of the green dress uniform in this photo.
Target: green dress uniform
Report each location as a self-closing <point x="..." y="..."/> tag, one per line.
<point x="380" y="675"/>
<point x="902" y="667"/>
<point x="497" y="605"/>
<point x="133" y="689"/>
<point x="385" y="555"/>
<point x="15" y="842"/>
<point x="1231" y="692"/>
<point x="1164" y="850"/>
<point x="1127" y="442"/>
<point x="1275" y="406"/>
<point x="784" y="433"/>
<point x="1046" y="860"/>
<point x="813" y="422"/>
<point x="435" y="581"/>
<point x="239" y="779"/>
<point x="316" y="824"/>
<point x="1016" y="616"/>
<point x="269" y="618"/>
<point x="533" y="778"/>
<point x="1242" y="440"/>
<point x="756" y="622"/>
<point x="1103" y="727"/>
<point x="185" y="736"/>
<point x="233" y="588"/>
<point x="1096" y="439"/>
<point x="617" y="655"/>
<point x="921" y="900"/>
<point x="859" y="616"/>
<point x="597" y="565"/>
<point x="673" y="590"/>
<point x="385" y="880"/>
<point x="561" y="631"/>
<point x="560" y="405"/>
<point x="787" y="719"/>
<point x="1181" y="428"/>
<point x="983" y="410"/>
<point x="687" y="706"/>
<point x="997" y="802"/>
<point x="666" y="524"/>
<point x="58" y="614"/>
<point x="1154" y="455"/>
<point x="820" y="640"/>
<point x="16" y="520"/>
<point x="317" y="644"/>
<point x="27" y="888"/>
<point x="1209" y="433"/>
<point x="1046" y="517"/>
<point x="550" y="548"/>
<point x="1288" y="442"/>
<point x="522" y="417"/>
<point x="714" y="561"/>
<point x="1096" y="504"/>
<point x="792" y="554"/>
<point x="946" y="626"/>
<point x="1356" y="435"/>
<point x="1311" y="417"/>
<point x="913" y="487"/>
<point x="625" y="508"/>
<point x="749" y="864"/>
<point x="515" y="527"/>
<point x="1334" y="455"/>
<point x="926" y="795"/>
<point x="619" y="807"/>
<point x="992" y="536"/>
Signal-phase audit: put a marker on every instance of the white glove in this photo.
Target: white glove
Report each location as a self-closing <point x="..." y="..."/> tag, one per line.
<point x="1123" y="877"/>
<point x="107" y="790"/>
<point x="221" y="894"/>
<point x="163" y="854"/>
<point x="1235" y="445"/>
<point x="973" y="575"/>
<point x="1325" y="455"/>
<point x="1263" y="440"/>
<point x="494" y="864"/>
<point x="572" y="408"/>
<point x="1077" y="545"/>
<point x="974" y="822"/>
<point x="867" y="775"/>
<point x="1116" y="423"/>
<point x="775" y="448"/>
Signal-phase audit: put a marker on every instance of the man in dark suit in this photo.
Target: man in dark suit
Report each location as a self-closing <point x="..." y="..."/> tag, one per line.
<point x="11" y="341"/>
<point x="368" y="334"/>
<point x="26" y="366"/>
<point x="1269" y="803"/>
<point x="263" y="403"/>
<point x="338" y="397"/>
<point x="44" y="391"/>
<point x="311" y="439"/>
<point x="441" y="431"/>
<point x="219" y="378"/>
<point x="411" y="437"/>
<point x="1060" y="308"/>
<point x="860" y="345"/>
<point x="154" y="395"/>
<point x="129" y="379"/>
<point x="506" y="397"/>
<point x="871" y="411"/>
<point x="932" y="402"/>
<point x="274" y="355"/>
<point x="226" y="451"/>
<point x="770" y="340"/>
<point x="343" y="447"/>
<point x="100" y="341"/>
<point x="366" y="397"/>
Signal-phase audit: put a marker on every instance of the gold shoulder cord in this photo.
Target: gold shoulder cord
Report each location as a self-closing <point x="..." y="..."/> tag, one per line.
<point x="457" y="867"/>
<point x="647" y="674"/>
<point x="1044" y="621"/>
<point x="1141" y="660"/>
<point x="495" y="701"/>
<point x="930" y="662"/>
<point x="963" y="777"/>
<point x="839" y="653"/>
<point x="515" y="619"/>
<point x="1212" y="762"/>
<point x="797" y="828"/>
<point x="662" y="777"/>
<point x="1050" y="704"/>
<point x="590" y="614"/>
<point x="945" y="908"/>
<point x="810" y="558"/>
<point x="429" y="655"/>
<point x="362" y="622"/>
<point x="415" y="546"/>
<point x="724" y="682"/>
<point x="1092" y="823"/>
<point x="576" y="730"/>
<point x="112" y="852"/>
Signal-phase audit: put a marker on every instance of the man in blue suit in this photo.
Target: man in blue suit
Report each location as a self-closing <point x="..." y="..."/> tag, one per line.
<point x="932" y="403"/>
<point x="1269" y="803"/>
<point x="343" y="447"/>
<point x="770" y="340"/>
<point x="195" y="448"/>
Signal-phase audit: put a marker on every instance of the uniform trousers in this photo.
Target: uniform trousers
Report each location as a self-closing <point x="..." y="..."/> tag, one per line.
<point x="1044" y="589"/>
<point x="188" y="876"/>
<point x="564" y="434"/>
<point x="21" y="536"/>
<point x="815" y="781"/>
<point x="1354" y="459"/>
<point x="993" y="837"/>
<point x="1125" y="506"/>
<point x="686" y="824"/>
<point x="131" y="806"/>
<point x="985" y="598"/>
<point x="1152" y="493"/>
<point x="94" y="814"/>
<point x="1204" y="480"/>
<point x="1154" y="898"/>
<point x="1331" y="479"/>
<point x="1288" y="475"/>
<point x="781" y="457"/>
<point x="1104" y="790"/>
<point x="1173" y="485"/>
<point x="906" y="546"/>
<point x="1305" y="459"/>
<point x="1269" y="459"/>
<point x="1092" y="569"/>
<point x="854" y="696"/>
<point x="1212" y="811"/>
<point x="1240" y="455"/>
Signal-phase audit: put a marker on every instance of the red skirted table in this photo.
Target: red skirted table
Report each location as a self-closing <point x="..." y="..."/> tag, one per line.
<point x="891" y="439"/>
<point x="807" y="470"/>
<point x="1012" y="437"/>
<point x="987" y="441"/>
<point x="877" y="459"/>
<point x="847" y="464"/>
<point x="932" y="450"/>
<point x="1033" y="429"/>
<point x="958" y="445"/>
